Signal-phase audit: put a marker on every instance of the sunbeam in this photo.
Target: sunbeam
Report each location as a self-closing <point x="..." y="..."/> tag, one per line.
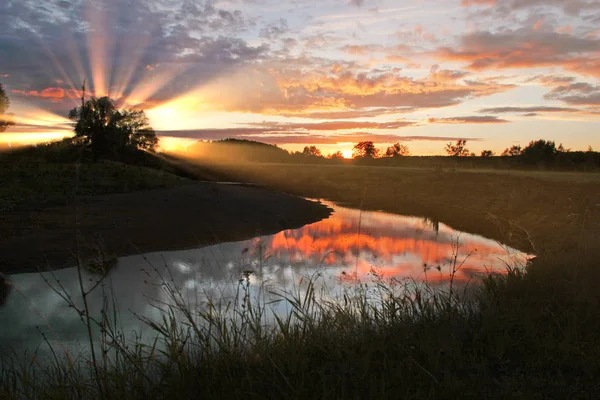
<point x="99" y="44"/>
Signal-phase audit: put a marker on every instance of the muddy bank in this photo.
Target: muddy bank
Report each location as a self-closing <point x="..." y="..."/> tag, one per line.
<point x="184" y="217"/>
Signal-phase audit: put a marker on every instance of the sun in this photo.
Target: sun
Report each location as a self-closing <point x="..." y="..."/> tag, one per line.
<point x="347" y="153"/>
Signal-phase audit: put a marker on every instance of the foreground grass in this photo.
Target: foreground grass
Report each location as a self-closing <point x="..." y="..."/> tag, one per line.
<point x="504" y="342"/>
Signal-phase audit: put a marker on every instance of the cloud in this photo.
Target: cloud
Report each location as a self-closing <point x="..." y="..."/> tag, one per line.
<point x="525" y="49"/>
<point x="578" y="93"/>
<point x="357" y="3"/>
<point x="194" y="41"/>
<point x="52" y="93"/>
<point x="275" y="30"/>
<point x="552" y="80"/>
<point x="300" y="138"/>
<point x="446" y="75"/>
<point x="468" y="3"/>
<point x="350" y="114"/>
<point x="323" y="86"/>
<point x="468" y="120"/>
<point x="571" y="7"/>
<point x="538" y="109"/>
<point x="331" y="125"/>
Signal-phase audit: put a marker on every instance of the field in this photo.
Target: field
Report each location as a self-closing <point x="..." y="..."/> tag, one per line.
<point x="523" y="335"/>
<point x="554" y="214"/>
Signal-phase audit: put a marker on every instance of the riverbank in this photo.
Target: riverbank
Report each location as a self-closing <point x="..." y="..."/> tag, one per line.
<point x="111" y="225"/>
<point x="553" y="214"/>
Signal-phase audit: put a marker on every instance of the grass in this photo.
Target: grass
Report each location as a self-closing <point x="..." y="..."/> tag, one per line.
<point x="414" y="343"/>
<point x="32" y="184"/>
<point x="524" y="334"/>
<point x="555" y="214"/>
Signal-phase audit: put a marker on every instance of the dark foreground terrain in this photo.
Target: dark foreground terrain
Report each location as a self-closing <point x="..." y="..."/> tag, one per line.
<point x="532" y="334"/>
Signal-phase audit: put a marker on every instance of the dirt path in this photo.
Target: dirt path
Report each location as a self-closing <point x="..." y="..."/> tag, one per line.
<point x="156" y="220"/>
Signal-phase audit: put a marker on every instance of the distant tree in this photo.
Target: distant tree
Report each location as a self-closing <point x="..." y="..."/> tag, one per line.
<point x="397" y="150"/>
<point x="540" y="150"/>
<point x="338" y="155"/>
<point x="458" y="150"/>
<point x="513" y="151"/>
<point x="365" y="150"/>
<point x="590" y="149"/>
<point x="110" y="131"/>
<point x="561" y="149"/>
<point x="311" y="151"/>
<point x="487" y="153"/>
<point x="5" y="118"/>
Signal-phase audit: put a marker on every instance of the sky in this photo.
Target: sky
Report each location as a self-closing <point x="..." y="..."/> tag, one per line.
<point x="327" y="73"/>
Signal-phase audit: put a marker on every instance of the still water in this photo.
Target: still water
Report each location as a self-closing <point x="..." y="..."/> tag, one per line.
<point x="349" y="247"/>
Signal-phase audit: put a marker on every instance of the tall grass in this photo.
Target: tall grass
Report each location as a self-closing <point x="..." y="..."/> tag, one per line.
<point x="382" y="339"/>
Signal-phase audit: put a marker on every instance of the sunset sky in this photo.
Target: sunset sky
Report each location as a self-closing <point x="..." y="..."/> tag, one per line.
<point x="302" y="72"/>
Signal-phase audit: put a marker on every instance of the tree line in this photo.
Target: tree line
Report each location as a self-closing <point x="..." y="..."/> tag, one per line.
<point x="539" y="149"/>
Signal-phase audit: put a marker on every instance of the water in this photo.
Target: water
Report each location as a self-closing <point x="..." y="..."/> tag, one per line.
<point x="349" y="247"/>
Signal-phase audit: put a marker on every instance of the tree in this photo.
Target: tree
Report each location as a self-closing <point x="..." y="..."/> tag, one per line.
<point x="540" y="150"/>
<point x="459" y="149"/>
<point x="338" y="155"/>
<point x="136" y="130"/>
<point x="487" y="153"/>
<point x="561" y="149"/>
<point x="5" y="118"/>
<point x="311" y="151"/>
<point x="513" y="151"/>
<point x="397" y="150"/>
<point x="365" y="150"/>
<point x="590" y="149"/>
<point x="110" y="131"/>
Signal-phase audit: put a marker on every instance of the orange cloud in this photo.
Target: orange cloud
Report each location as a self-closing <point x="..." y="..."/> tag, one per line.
<point x="332" y="125"/>
<point x="503" y="110"/>
<point x="565" y="29"/>
<point x="467" y="3"/>
<point x="578" y="93"/>
<point x="54" y="94"/>
<point x="281" y="90"/>
<point x="526" y="49"/>
<point x="468" y="120"/>
<point x="350" y="113"/>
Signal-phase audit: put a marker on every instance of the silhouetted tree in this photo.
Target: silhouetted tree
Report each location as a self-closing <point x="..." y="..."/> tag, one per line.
<point x="540" y="150"/>
<point x="311" y="151"/>
<point x="338" y="155"/>
<point x="111" y="131"/>
<point x="5" y="118"/>
<point x="365" y="150"/>
<point x="458" y="150"/>
<point x="561" y="149"/>
<point x="487" y="153"/>
<point x="590" y="149"/>
<point x="513" y="151"/>
<point x="397" y="150"/>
